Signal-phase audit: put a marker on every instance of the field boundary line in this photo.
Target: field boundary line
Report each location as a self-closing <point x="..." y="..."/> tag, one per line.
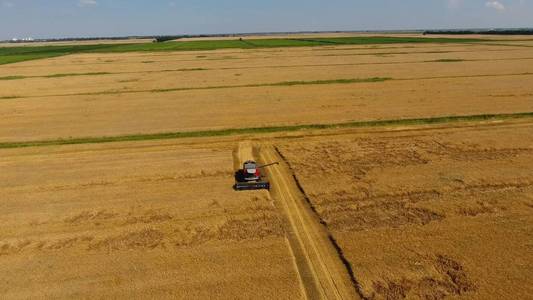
<point x="265" y="130"/>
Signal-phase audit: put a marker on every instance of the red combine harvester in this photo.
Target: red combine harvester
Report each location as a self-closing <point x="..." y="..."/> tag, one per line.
<point x="250" y="177"/>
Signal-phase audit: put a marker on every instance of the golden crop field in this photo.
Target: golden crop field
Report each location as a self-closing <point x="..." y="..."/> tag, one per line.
<point x="182" y="91"/>
<point x="405" y="172"/>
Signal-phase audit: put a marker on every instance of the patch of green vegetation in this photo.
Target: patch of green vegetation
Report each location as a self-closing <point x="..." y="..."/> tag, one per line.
<point x="128" y="80"/>
<point x="74" y="74"/>
<point x="176" y="46"/>
<point x="16" y="77"/>
<point x="438" y="52"/>
<point x="263" y="130"/>
<point x="333" y="81"/>
<point x="192" y="69"/>
<point x="384" y="54"/>
<point x="283" y="83"/>
<point x="506" y="45"/>
<point x="275" y="43"/>
<point x="9" y="59"/>
<point x="18" y="54"/>
<point x="445" y="60"/>
<point x="468" y="76"/>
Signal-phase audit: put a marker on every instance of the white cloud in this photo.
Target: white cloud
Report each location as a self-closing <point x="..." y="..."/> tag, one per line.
<point x="497" y="5"/>
<point x="85" y="3"/>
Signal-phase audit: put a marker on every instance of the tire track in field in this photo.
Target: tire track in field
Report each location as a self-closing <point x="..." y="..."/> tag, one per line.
<point x="320" y="266"/>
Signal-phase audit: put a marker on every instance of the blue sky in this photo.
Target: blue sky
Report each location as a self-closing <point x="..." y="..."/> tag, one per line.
<point x="69" y="18"/>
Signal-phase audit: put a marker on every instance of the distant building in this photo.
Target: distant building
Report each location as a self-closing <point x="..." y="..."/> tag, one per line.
<point x="17" y="40"/>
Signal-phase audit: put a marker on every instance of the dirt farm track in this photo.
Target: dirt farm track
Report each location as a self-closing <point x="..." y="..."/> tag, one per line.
<point x="423" y="189"/>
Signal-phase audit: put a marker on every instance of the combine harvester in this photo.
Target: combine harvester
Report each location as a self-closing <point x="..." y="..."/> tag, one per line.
<point x="250" y="177"/>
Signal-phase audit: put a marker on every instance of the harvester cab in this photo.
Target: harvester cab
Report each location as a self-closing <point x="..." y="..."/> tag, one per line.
<point x="251" y="171"/>
<point x="250" y="177"/>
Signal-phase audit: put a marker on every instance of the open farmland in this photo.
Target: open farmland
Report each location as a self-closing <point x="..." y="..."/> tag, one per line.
<point x="405" y="169"/>
<point x="426" y="213"/>
<point x="137" y="220"/>
<point x="98" y="94"/>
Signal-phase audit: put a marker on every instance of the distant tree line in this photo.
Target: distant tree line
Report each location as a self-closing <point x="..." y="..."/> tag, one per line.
<point x="165" y="38"/>
<point x="527" y="31"/>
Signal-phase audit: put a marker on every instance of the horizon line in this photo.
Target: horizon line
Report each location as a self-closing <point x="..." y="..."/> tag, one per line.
<point x="236" y="34"/>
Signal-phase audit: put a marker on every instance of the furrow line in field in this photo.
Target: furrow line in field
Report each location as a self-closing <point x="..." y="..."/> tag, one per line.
<point x="324" y="274"/>
<point x="282" y="84"/>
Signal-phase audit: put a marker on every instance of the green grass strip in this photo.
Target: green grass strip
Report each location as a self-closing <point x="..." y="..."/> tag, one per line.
<point x="263" y="130"/>
<point x="15" y="77"/>
<point x="283" y="83"/>
<point x="332" y="81"/>
<point x="215" y="87"/>
<point x="9" y="58"/>
<point x="74" y="74"/>
<point x="447" y="60"/>
<point x="275" y="84"/>
<point x="60" y="75"/>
